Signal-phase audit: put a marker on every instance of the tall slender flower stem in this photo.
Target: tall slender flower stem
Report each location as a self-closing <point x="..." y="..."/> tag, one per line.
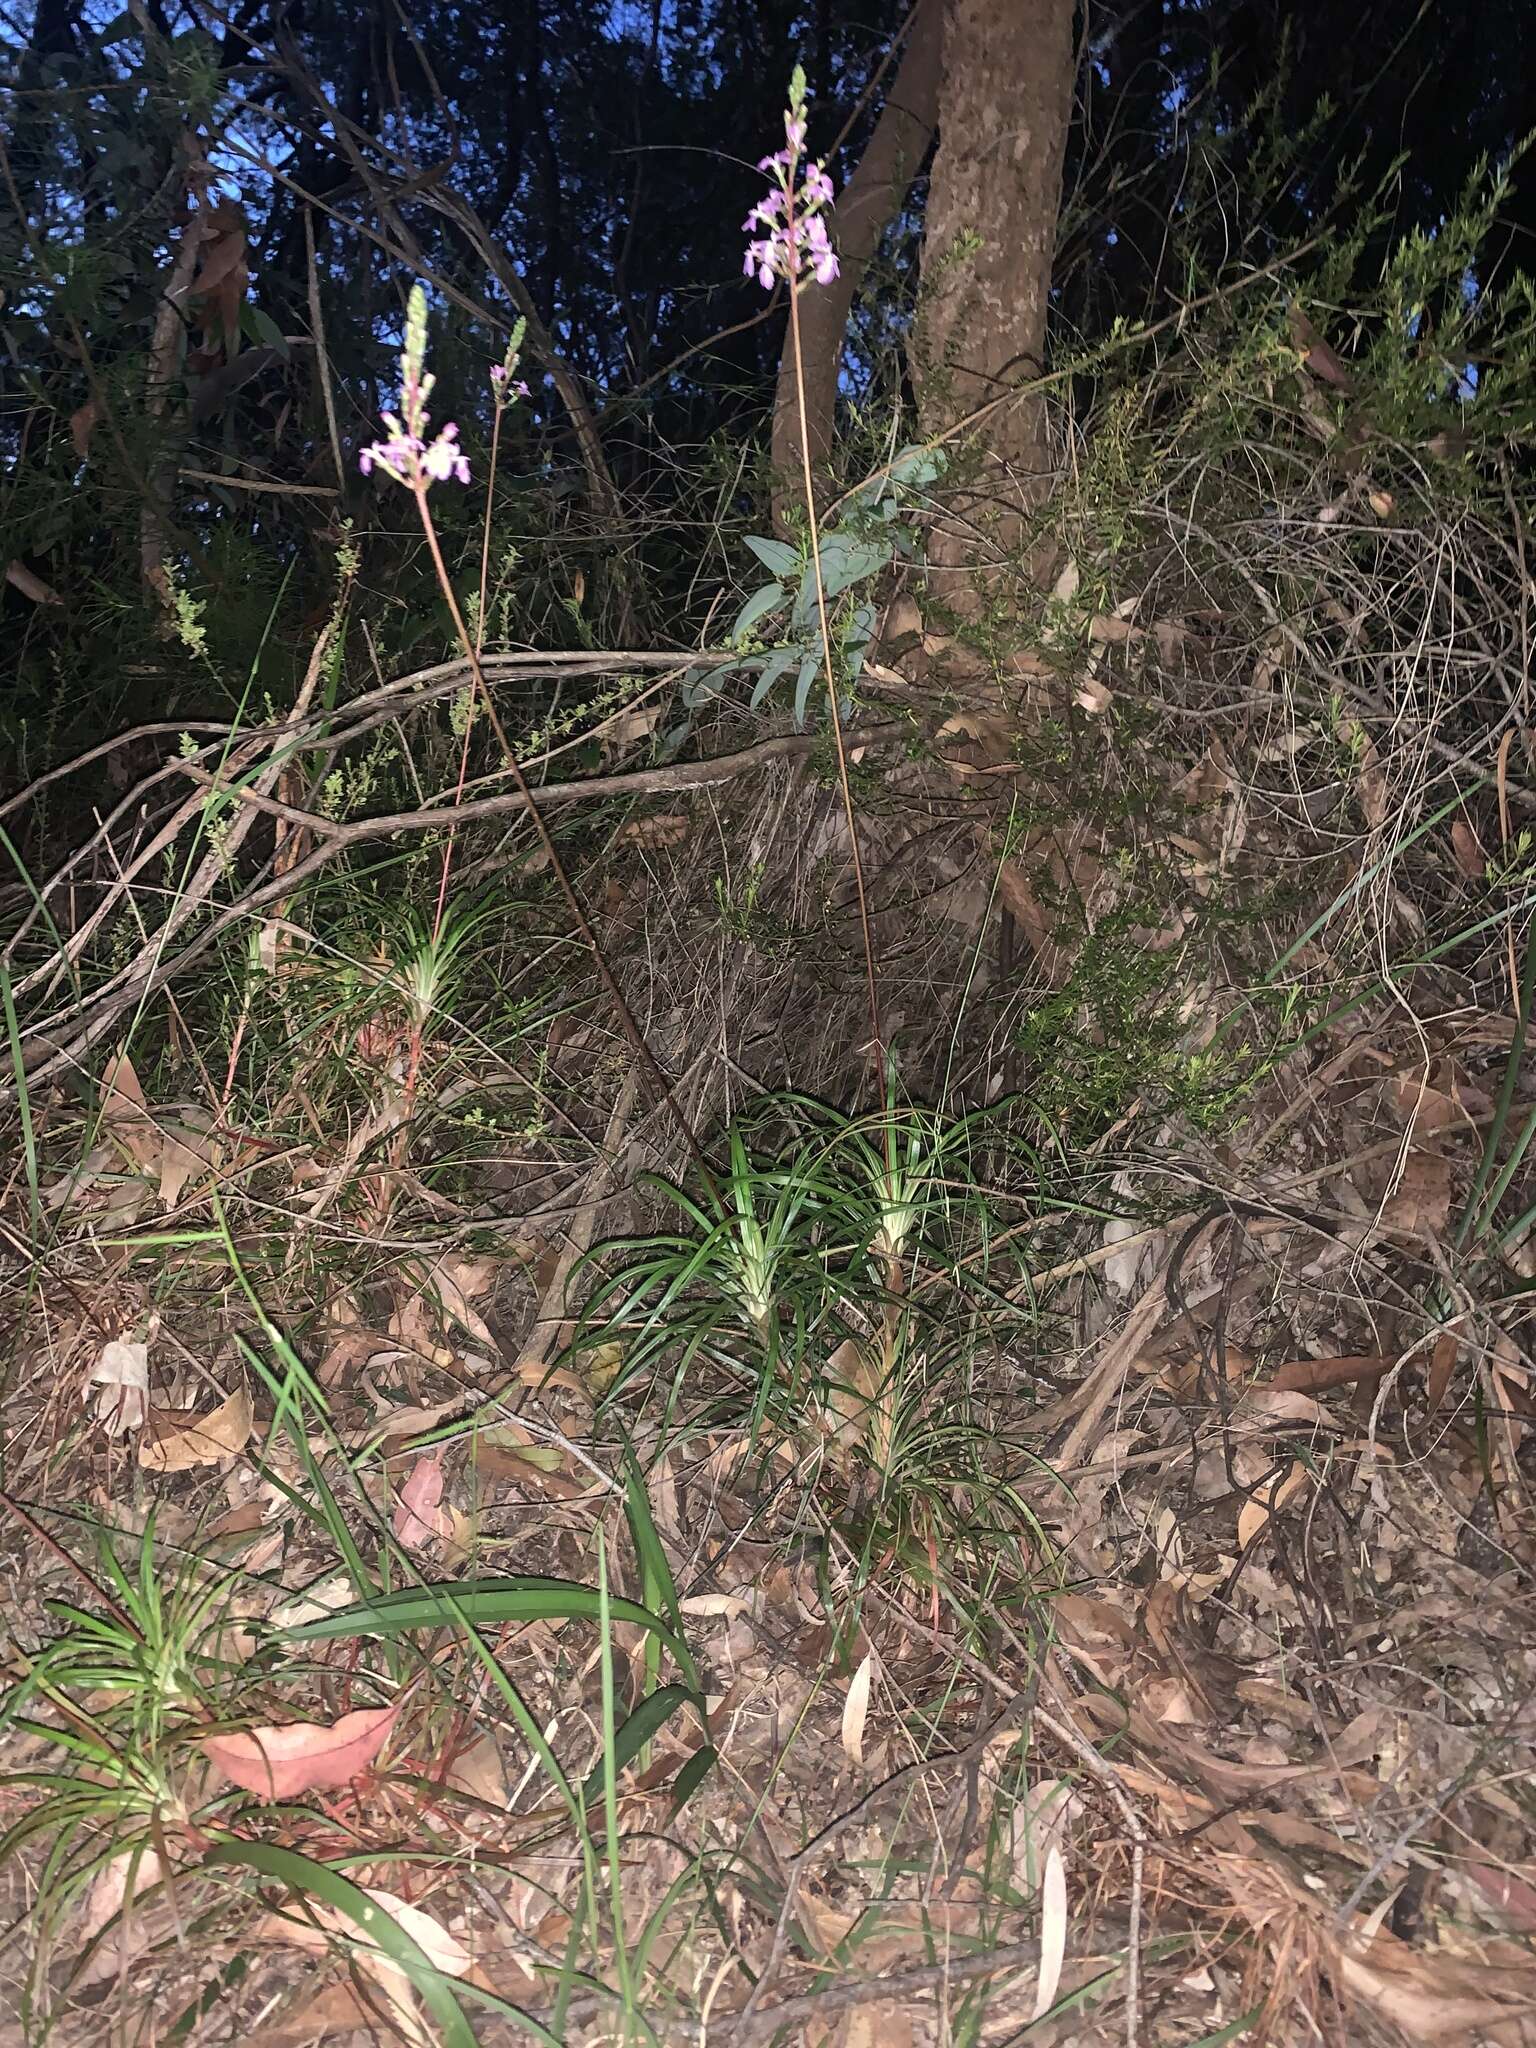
<point x="877" y="1048"/>
<point x="659" y="1083"/>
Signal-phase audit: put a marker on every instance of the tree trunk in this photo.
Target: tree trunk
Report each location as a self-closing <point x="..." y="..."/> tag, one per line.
<point x="1005" y="100"/>
<point x="869" y="202"/>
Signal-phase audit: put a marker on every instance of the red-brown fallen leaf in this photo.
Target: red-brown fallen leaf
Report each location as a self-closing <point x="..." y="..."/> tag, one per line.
<point x="418" y="1514"/>
<point x="1507" y="1894"/>
<point x="1469" y="855"/>
<point x="305" y="1756"/>
<point x="1317" y="1375"/>
<point x="1441" y="1366"/>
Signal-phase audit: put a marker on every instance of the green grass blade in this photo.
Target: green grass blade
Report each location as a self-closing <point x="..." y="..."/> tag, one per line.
<point x="483" y="1603"/>
<point x="23" y="1105"/>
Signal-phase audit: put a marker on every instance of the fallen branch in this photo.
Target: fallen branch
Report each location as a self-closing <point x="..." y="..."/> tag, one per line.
<point x="59" y="1044"/>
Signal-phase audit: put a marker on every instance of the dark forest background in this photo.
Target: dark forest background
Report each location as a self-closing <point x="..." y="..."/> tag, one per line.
<point x="587" y="167"/>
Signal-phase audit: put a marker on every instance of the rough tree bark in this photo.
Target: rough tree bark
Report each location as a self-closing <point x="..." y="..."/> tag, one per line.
<point x="866" y="206"/>
<point x="1005" y="100"/>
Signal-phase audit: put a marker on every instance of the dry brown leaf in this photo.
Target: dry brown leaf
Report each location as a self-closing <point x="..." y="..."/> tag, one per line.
<point x="1442" y="1365"/>
<point x="1281" y="1405"/>
<point x="1372" y="781"/>
<point x="1317" y="1375"/>
<point x="862" y="1405"/>
<point x="856" y="1709"/>
<point x="1267" y="1500"/>
<point x="452" y="1282"/>
<point x="1093" y="696"/>
<point x="177" y="1439"/>
<point x="21" y="578"/>
<point x="338" y="2009"/>
<point x="323" y="1597"/>
<point x="183" y="1153"/>
<point x="122" y="1373"/>
<point x="481" y="1771"/>
<point x="1420" y="1205"/>
<point x="652" y="832"/>
<point x="303" y="1756"/>
<point x="126" y="1117"/>
<point x="1432" y="1997"/>
<point x="1510" y="1896"/>
<point x="419" y="1514"/>
<point x="109" y="1896"/>
<point x="1469" y="855"/>
<point x="327" y="1926"/>
<point x="878" y="2026"/>
<point x="1319" y="357"/>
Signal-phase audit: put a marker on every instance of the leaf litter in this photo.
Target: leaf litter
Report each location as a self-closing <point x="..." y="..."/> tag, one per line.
<point x="1248" y="1702"/>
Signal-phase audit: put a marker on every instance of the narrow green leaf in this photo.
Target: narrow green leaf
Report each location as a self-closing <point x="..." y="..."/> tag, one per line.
<point x="692" y="1776"/>
<point x="482" y="1603"/>
<point x="643" y="1724"/>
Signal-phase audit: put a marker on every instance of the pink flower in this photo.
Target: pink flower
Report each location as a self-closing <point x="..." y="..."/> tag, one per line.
<point x="445" y="459"/>
<point x="822" y="255"/>
<point x="793" y="237"/>
<point x="398" y="455"/>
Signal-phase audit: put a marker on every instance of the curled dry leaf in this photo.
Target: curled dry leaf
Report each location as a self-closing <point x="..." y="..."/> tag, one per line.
<point x="178" y="1439"/>
<point x="122" y="1373"/>
<point x="323" y="1597"/>
<point x="450" y="1284"/>
<point x="304" y="1756"/>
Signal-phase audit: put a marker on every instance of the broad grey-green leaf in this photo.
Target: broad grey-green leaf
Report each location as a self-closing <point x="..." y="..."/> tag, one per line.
<point x="768" y="599"/>
<point x="918" y="467"/>
<point x="779" y="663"/>
<point x="810" y="669"/>
<point x="776" y="556"/>
<point x="846" y="561"/>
